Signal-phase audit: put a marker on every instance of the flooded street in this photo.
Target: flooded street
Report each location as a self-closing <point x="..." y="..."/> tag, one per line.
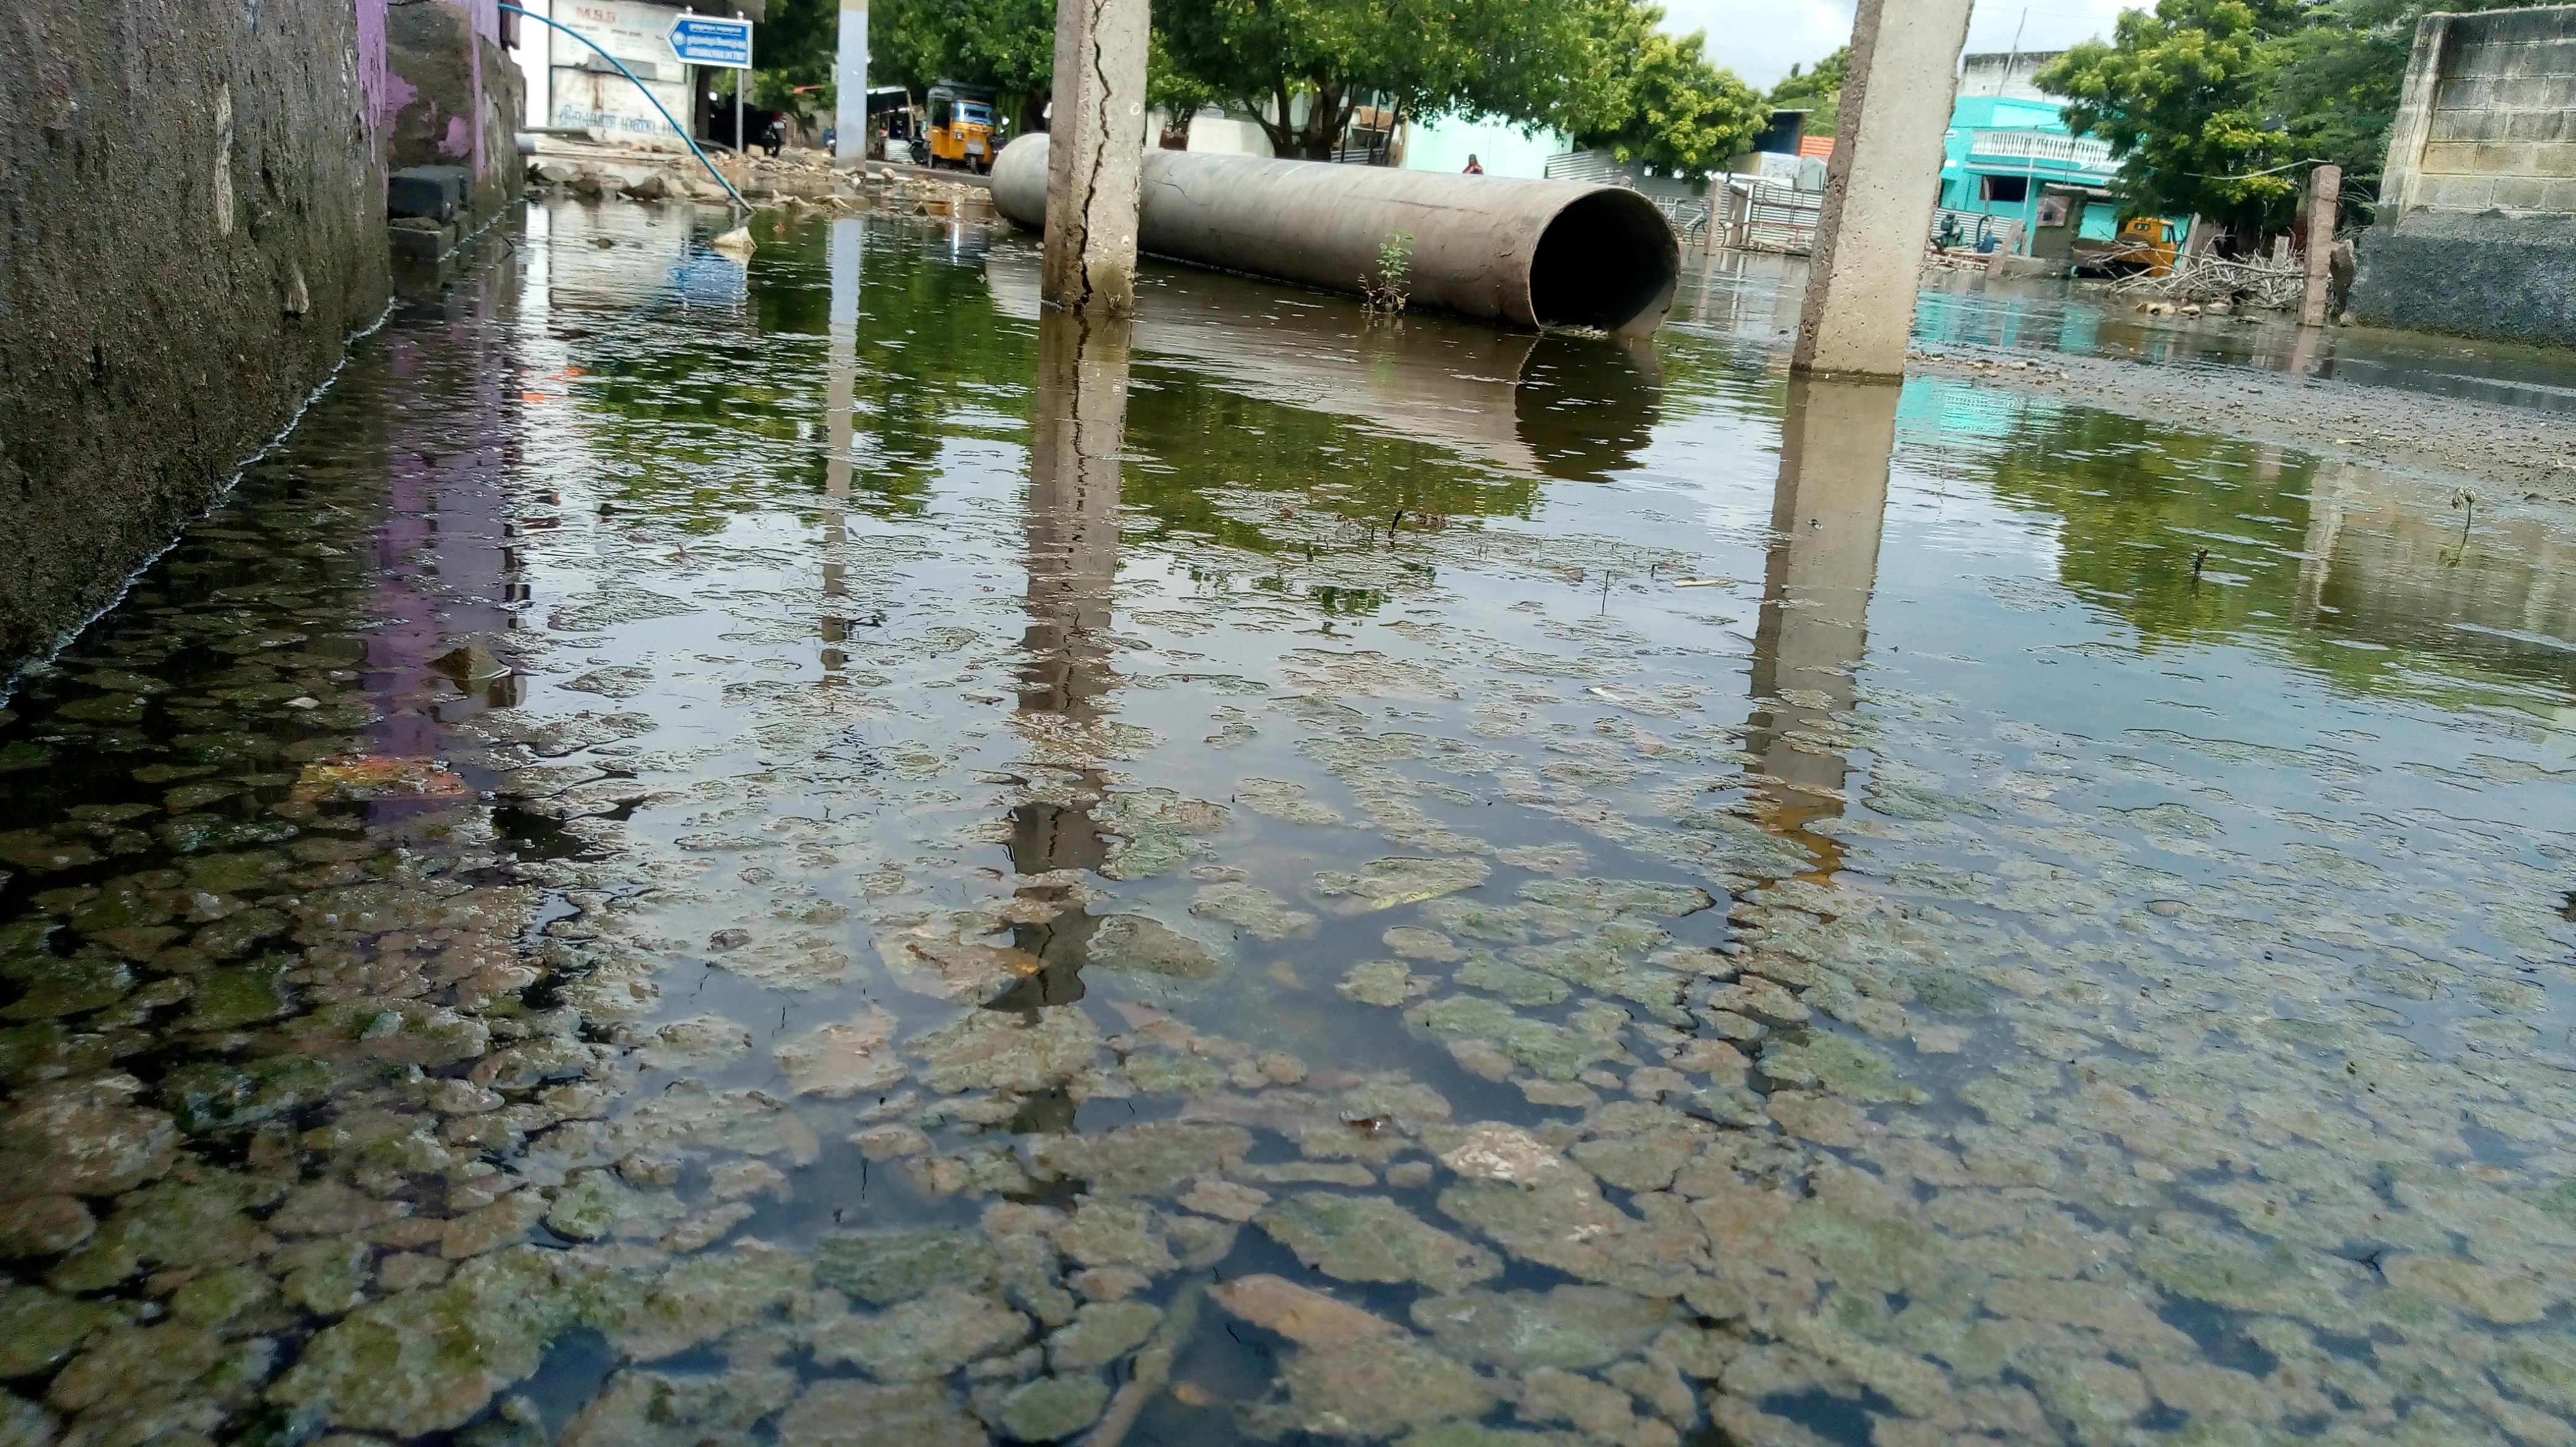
<point x="800" y="854"/>
<point x="1755" y="295"/>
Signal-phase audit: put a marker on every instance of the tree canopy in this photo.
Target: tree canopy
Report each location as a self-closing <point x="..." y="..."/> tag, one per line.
<point x="1663" y="104"/>
<point x="1601" y="70"/>
<point x="1302" y="66"/>
<point x="1008" y="45"/>
<point x="2216" y="107"/>
<point x="793" y="47"/>
<point x="1818" y="92"/>
<point x="2177" y="93"/>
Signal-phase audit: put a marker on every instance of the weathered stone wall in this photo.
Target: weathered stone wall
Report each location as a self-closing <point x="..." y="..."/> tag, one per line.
<point x="2476" y="231"/>
<point x="456" y="97"/>
<point x="191" y="224"/>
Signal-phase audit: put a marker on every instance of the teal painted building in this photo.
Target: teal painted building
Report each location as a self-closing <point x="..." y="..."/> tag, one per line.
<point x="2012" y="157"/>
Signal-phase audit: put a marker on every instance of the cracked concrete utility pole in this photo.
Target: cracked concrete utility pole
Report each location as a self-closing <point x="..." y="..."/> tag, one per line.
<point x="850" y="79"/>
<point x="1880" y="188"/>
<point x="1095" y="155"/>
<point x="2325" y="198"/>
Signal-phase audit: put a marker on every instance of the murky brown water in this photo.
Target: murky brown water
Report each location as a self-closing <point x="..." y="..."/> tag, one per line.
<point x="806" y="857"/>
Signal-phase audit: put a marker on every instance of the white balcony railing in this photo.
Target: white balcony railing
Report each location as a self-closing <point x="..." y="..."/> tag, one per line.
<point x="2089" y="154"/>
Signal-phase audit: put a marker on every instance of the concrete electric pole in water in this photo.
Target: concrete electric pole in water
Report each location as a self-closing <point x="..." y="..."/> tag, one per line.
<point x="1095" y="155"/>
<point x="850" y="78"/>
<point x="2325" y="199"/>
<point x="1880" y="188"/>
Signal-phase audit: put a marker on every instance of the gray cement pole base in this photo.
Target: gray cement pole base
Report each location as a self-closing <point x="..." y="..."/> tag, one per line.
<point x="1879" y="188"/>
<point x="1095" y="156"/>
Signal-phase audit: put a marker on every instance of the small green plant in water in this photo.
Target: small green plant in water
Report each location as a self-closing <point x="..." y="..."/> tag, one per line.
<point x="1387" y="290"/>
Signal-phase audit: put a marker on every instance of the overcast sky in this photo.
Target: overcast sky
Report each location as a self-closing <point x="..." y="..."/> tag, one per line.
<point x="1759" y="39"/>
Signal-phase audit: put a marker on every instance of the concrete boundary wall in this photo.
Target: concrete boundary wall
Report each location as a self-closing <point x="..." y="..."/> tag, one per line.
<point x="191" y="225"/>
<point x="2476" y="229"/>
<point x="455" y="97"/>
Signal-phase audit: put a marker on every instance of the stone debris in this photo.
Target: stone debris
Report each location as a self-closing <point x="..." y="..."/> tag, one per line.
<point x="1307" y="1317"/>
<point x="2171" y="1085"/>
<point x="1368" y="1238"/>
<point x="886" y="1267"/>
<point x="924" y="1338"/>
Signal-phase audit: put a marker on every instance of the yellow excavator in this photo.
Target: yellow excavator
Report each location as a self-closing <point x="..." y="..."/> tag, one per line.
<point x="2148" y="244"/>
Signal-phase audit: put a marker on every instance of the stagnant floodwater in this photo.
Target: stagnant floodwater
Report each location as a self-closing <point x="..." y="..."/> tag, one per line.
<point x="1739" y="294"/>
<point x="800" y="856"/>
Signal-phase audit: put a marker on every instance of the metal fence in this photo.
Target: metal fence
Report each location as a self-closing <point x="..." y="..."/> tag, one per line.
<point x="1760" y="215"/>
<point x="1590" y="168"/>
<point x="1690" y="217"/>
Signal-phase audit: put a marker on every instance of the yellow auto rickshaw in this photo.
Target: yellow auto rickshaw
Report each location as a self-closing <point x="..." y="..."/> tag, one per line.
<point x="963" y="130"/>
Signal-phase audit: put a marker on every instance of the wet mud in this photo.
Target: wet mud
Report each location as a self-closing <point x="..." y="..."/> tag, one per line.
<point x="2497" y="416"/>
<point x="798" y="853"/>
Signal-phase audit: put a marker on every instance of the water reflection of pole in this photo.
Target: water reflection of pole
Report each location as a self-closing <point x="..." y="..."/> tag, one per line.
<point x="1826" y="515"/>
<point x="2337" y="486"/>
<point x="1077" y="433"/>
<point x="844" y="345"/>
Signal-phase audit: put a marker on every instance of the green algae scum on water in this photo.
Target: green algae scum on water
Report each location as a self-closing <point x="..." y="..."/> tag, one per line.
<point x="796" y="853"/>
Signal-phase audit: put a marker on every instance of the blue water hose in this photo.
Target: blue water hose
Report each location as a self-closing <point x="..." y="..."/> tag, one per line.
<point x="648" y="95"/>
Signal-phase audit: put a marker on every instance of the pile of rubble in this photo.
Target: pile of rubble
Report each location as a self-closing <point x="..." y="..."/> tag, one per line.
<point x="2217" y="284"/>
<point x="770" y="183"/>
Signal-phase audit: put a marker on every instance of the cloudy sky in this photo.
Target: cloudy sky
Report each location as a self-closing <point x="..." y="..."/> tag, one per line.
<point x="1759" y="39"/>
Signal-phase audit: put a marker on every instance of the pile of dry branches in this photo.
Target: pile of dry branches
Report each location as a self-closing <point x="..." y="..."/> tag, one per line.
<point x="2254" y="281"/>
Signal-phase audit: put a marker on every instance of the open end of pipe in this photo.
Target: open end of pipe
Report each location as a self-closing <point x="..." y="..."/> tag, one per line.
<point x="1604" y="262"/>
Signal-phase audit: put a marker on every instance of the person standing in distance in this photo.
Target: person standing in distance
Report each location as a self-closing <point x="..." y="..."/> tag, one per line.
<point x="1474" y="166"/>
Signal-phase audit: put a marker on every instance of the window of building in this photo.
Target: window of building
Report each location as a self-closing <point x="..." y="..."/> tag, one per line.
<point x="2007" y="188"/>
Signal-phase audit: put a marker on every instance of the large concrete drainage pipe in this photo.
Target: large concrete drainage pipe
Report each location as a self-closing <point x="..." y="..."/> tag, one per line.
<point x="1534" y="253"/>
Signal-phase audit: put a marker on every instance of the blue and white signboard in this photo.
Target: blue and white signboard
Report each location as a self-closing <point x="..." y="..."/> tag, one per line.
<point x="718" y="40"/>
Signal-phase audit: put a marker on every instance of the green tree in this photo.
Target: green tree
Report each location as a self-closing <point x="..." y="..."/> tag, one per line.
<point x="1818" y="92"/>
<point x="1173" y="91"/>
<point x="1302" y="66"/>
<point x="794" y="47"/>
<point x="1008" y="45"/>
<point x="1670" y="109"/>
<point x="2180" y="93"/>
<point x="2338" y="78"/>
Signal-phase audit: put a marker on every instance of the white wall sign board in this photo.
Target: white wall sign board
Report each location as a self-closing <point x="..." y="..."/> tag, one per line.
<point x="609" y="103"/>
<point x="589" y="95"/>
<point x="636" y="33"/>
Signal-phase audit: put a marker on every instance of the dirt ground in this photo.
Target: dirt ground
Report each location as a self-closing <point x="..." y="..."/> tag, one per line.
<point x="2514" y="451"/>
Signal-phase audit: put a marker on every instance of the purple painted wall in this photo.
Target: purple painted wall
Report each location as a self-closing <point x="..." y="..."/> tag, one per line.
<point x="451" y="95"/>
<point x="372" y="77"/>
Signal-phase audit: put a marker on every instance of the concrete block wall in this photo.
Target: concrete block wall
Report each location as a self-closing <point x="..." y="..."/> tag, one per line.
<point x="191" y="225"/>
<point x="2499" y="135"/>
<point x="2476" y="227"/>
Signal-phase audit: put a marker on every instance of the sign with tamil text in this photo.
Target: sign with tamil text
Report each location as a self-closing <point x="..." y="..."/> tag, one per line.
<point x="719" y="40"/>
